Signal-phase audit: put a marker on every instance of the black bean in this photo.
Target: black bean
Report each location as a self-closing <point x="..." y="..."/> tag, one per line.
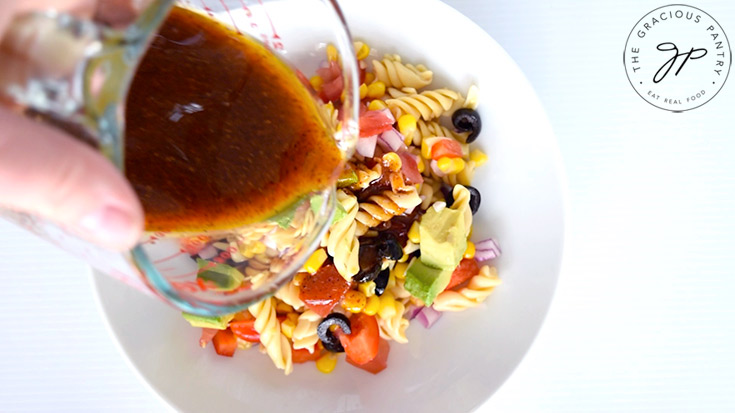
<point x="467" y="120"/>
<point x="389" y="247"/>
<point x="382" y="281"/>
<point x="447" y="192"/>
<point x="367" y="275"/>
<point x="475" y="199"/>
<point x="329" y="340"/>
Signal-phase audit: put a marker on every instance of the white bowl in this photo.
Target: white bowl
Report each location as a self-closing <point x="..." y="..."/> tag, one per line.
<point x="465" y="357"/>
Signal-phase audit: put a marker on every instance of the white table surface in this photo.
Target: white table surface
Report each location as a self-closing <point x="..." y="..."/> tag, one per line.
<point x="644" y="315"/>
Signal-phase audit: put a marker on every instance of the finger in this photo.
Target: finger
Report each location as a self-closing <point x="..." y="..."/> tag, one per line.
<point x="50" y="174"/>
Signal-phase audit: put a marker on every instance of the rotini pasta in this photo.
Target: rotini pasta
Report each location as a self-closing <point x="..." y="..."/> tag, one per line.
<point x="478" y="289"/>
<point x="426" y="105"/>
<point x="304" y="334"/>
<point x="461" y="197"/>
<point x="341" y="240"/>
<point x="390" y="319"/>
<point x="395" y="73"/>
<point x="289" y="294"/>
<point x="381" y="208"/>
<point x="276" y="345"/>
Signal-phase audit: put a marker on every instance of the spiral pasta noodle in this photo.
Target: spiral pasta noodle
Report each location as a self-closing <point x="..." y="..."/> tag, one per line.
<point x="289" y="294"/>
<point x="382" y="207"/>
<point x="395" y="73"/>
<point x="430" y="129"/>
<point x="427" y="105"/>
<point x="275" y="343"/>
<point x="478" y="289"/>
<point x="342" y="243"/>
<point x="304" y="335"/>
<point x="390" y="319"/>
<point x="461" y="203"/>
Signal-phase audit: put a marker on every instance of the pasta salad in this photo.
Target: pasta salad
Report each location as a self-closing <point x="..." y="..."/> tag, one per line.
<point x="398" y="249"/>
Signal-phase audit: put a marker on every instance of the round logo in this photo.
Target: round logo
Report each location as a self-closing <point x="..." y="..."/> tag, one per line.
<point x="677" y="57"/>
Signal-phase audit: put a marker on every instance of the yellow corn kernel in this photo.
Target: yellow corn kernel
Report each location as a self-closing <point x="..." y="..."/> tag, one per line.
<point x="315" y="261"/>
<point x="470" y="251"/>
<point x="363" y="91"/>
<point x="450" y="165"/>
<point x="377" y="104"/>
<point x="407" y="124"/>
<point x="376" y="90"/>
<point x="283" y="308"/>
<point x="294" y="317"/>
<point x="387" y="306"/>
<point x="287" y="327"/>
<point x="425" y="150"/>
<point x="354" y="301"/>
<point x="299" y="278"/>
<point x="421" y="166"/>
<point x="361" y="50"/>
<point x="316" y="82"/>
<point x="367" y="288"/>
<point x="343" y="96"/>
<point x="413" y="233"/>
<point x="327" y="362"/>
<point x="478" y="157"/>
<point x="393" y="161"/>
<point x="399" y="271"/>
<point x="332" y="53"/>
<point x="369" y="77"/>
<point x="372" y="306"/>
<point x="404" y="258"/>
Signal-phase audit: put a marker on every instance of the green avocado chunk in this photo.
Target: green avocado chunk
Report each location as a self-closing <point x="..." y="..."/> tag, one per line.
<point x="217" y="322"/>
<point x="426" y="282"/>
<point x="443" y="238"/>
<point x="224" y="277"/>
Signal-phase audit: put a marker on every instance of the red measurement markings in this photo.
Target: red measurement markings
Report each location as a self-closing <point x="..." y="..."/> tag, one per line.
<point x="227" y="9"/>
<point x="207" y="9"/>
<point x="160" y="260"/>
<point x="247" y="10"/>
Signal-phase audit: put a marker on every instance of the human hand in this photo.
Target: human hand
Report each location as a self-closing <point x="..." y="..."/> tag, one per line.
<point x="50" y="174"/>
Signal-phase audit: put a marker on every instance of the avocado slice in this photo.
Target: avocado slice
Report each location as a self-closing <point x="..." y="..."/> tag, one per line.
<point x="426" y="282"/>
<point x="443" y="237"/>
<point x="223" y="276"/>
<point x="218" y="322"/>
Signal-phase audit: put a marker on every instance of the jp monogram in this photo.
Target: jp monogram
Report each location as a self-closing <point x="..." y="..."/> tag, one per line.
<point x="677" y="57"/>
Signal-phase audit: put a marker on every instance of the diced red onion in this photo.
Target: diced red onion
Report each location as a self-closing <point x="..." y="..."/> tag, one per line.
<point x="435" y="167"/>
<point x="208" y="252"/>
<point x="428" y="316"/>
<point x="388" y="113"/>
<point x="366" y="146"/>
<point x="207" y="336"/>
<point x="412" y="310"/>
<point x="394" y="139"/>
<point x="486" y="249"/>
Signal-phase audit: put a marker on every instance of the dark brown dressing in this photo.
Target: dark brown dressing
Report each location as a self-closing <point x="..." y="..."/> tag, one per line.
<point x="219" y="131"/>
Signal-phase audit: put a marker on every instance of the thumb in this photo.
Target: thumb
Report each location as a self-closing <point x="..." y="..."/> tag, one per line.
<point x="50" y="174"/>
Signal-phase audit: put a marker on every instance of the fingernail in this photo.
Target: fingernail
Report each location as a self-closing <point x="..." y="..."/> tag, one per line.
<point x="109" y="226"/>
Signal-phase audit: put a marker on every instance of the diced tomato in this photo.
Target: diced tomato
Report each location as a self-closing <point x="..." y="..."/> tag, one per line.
<point x="225" y="343"/>
<point x="446" y="148"/>
<point x="466" y="269"/>
<point x="302" y="355"/>
<point x="245" y="329"/>
<point x="332" y="90"/>
<point x="410" y="168"/>
<point x="362" y="344"/>
<point x="207" y="336"/>
<point x="323" y="290"/>
<point x="329" y="72"/>
<point x="379" y="363"/>
<point x="374" y="122"/>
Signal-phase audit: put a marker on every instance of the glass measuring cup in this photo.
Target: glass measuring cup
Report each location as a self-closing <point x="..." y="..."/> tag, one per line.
<point x="202" y="272"/>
